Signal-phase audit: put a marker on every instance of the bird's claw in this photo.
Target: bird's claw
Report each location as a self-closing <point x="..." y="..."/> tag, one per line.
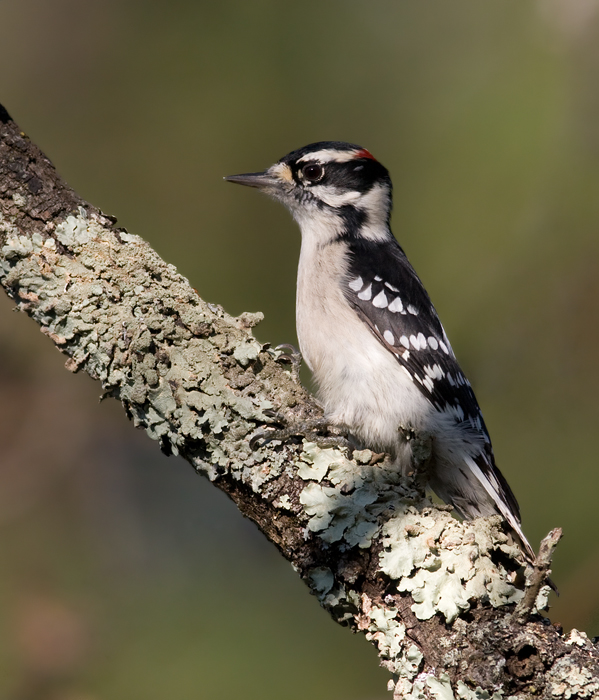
<point x="290" y="355"/>
<point x="276" y="417"/>
<point x="309" y="430"/>
<point x="261" y="438"/>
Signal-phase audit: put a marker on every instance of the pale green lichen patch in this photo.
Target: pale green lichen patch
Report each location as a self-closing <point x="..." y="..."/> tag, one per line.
<point x="463" y="692"/>
<point x="349" y="509"/>
<point x="398" y="654"/>
<point x="335" y="515"/>
<point x="343" y="604"/>
<point x="131" y="321"/>
<point x="315" y="463"/>
<point x="389" y="636"/>
<point x="580" y="639"/>
<point x="78" y="230"/>
<point x="567" y="680"/>
<point x="440" y="687"/>
<point x="542" y="599"/>
<point x="247" y="352"/>
<point x="321" y="580"/>
<point x="284" y="502"/>
<point x="445" y="564"/>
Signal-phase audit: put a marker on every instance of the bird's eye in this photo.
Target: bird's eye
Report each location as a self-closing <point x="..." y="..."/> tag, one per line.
<point x="313" y="172"/>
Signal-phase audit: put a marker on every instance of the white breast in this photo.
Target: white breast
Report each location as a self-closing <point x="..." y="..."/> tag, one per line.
<point x="361" y="384"/>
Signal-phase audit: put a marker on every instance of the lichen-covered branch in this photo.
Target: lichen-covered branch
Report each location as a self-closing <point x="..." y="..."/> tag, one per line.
<point x="435" y="596"/>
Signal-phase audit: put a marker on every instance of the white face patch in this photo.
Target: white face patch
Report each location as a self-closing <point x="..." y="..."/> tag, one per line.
<point x="376" y="203"/>
<point x="333" y="196"/>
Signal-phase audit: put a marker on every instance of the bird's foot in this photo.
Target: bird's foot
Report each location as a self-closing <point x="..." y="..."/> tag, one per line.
<point x="421" y="444"/>
<point x="317" y="430"/>
<point x="289" y="354"/>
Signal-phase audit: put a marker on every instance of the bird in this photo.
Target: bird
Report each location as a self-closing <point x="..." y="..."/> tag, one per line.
<point x="370" y="335"/>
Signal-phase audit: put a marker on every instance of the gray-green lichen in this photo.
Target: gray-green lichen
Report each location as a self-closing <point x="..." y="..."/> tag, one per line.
<point x="154" y="351"/>
<point x="427" y="686"/>
<point x="445" y="564"/>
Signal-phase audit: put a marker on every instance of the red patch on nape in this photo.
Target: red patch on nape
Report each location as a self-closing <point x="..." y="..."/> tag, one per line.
<point x="363" y="153"/>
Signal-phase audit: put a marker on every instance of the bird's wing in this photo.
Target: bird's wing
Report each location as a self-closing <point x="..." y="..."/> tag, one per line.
<point x="387" y="294"/>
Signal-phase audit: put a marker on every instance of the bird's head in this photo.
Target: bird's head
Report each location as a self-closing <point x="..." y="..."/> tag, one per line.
<point x="331" y="188"/>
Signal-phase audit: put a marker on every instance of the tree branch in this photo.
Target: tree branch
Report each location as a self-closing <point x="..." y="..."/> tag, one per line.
<point x="434" y="595"/>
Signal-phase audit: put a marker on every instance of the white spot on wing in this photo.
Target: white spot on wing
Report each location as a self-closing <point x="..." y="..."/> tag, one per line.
<point x="396" y="306"/>
<point x="434" y="372"/>
<point x="391" y="287"/>
<point x="443" y="347"/>
<point x="377" y="278"/>
<point x="356" y="284"/>
<point x="404" y="341"/>
<point x="433" y="343"/>
<point x="388" y="336"/>
<point x="366" y="295"/>
<point x="406" y="355"/>
<point x="415" y="342"/>
<point x="380" y="300"/>
<point x="412" y="310"/>
<point x="422" y="341"/>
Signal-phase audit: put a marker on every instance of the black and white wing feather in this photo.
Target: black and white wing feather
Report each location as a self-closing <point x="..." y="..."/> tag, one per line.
<point x="387" y="294"/>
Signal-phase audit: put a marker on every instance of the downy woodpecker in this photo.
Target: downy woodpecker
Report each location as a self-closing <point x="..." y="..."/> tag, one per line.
<point x="369" y="333"/>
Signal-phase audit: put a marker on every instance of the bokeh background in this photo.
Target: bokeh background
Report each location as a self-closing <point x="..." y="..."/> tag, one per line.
<point x="123" y="575"/>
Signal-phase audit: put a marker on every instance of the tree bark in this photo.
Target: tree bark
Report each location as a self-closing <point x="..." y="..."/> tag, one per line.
<point x="437" y="597"/>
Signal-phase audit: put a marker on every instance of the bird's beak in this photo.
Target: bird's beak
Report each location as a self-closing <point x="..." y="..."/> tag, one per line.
<point x="260" y="180"/>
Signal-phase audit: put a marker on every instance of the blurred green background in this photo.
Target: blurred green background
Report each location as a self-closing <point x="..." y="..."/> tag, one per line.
<point x="122" y="574"/>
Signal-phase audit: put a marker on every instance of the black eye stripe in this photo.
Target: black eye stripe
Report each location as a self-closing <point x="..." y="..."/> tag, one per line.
<point x="358" y="176"/>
